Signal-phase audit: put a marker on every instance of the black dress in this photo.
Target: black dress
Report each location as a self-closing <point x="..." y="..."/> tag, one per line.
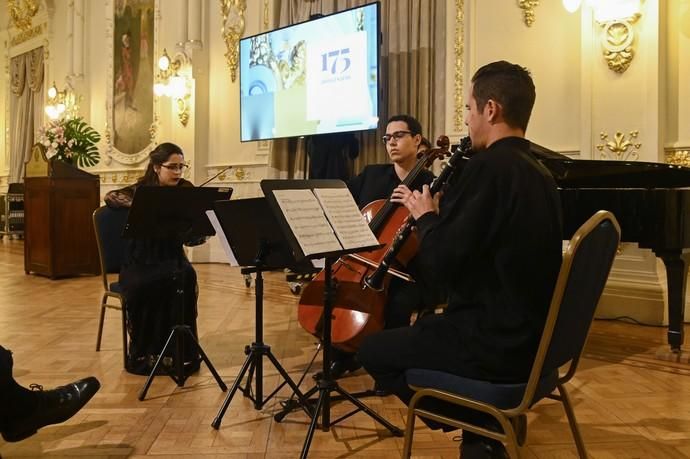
<point x="150" y="274"/>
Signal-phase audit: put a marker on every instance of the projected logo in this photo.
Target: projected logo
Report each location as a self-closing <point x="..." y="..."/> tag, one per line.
<point x="336" y="62"/>
<point x="337" y="77"/>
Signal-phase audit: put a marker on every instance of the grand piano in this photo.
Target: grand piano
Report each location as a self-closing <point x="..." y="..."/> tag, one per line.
<point x="651" y="202"/>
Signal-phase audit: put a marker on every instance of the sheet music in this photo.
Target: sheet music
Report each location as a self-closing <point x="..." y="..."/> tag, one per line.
<point x="213" y="218"/>
<point x="307" y="221"/>
<point x="348" y="222"/>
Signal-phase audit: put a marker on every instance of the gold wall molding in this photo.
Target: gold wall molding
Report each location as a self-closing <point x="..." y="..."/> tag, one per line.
<point x="527" y="7"/>
<point x="617" y="40"/>
<point x="679" y="157"/>
<point x="22" y="13"/>
<point x="622" y="147"/>
<point x="26" y="35"/>
<point x="120" y="177"/>
<point x="459" y="49"/>
<point x="232" y="30"/>
<point x="242" y="172"/>
<point x="266" y="15"/>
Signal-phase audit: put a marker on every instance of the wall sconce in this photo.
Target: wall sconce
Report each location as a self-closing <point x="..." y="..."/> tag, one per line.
<point x="616" y="17"/>
<point x="61" y="103"/>
<point x="174" y="83"/>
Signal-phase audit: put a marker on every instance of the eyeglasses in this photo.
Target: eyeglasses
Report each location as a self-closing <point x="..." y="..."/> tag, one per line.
<point x="175" y="167"/>
<point x="397" y="135"/>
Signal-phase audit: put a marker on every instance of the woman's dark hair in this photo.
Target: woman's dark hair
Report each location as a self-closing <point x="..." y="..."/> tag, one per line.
<point x="158" y="156"/>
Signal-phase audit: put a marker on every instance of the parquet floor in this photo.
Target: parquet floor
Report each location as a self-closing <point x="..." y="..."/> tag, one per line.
<point x="629" y="405"/>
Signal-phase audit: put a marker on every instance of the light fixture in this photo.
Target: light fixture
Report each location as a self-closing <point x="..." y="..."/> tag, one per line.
<point x="172" y="81"/>
<point x="571" y="5"/>
<point x="61" y="103"/>
<point x="616" y="17"/>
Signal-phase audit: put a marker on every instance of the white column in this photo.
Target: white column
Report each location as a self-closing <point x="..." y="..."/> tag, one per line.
<point x="194" y="10"/>
<point x="77" y="33"/>
<point x="183" y="19"/>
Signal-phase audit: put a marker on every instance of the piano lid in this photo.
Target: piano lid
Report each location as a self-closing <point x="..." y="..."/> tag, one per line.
<point x="586" y="173"/>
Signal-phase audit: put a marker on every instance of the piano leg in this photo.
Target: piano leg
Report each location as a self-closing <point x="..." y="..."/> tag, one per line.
<point x="676" y="274"/>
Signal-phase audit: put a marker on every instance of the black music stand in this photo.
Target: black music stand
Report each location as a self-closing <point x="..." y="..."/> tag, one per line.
<point x="176" y="213"/>
<point x="257" y="244"/>
<point x="326" y="384"/>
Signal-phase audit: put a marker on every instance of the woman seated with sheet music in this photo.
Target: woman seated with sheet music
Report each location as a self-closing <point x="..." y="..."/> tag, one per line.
<point x="147" y="274"/>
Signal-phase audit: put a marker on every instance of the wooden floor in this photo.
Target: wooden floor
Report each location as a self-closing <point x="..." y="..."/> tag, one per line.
<point x="629" y="405"/>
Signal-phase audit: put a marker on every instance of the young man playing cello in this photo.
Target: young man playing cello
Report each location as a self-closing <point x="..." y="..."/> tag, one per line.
<point x="402" y="140"/>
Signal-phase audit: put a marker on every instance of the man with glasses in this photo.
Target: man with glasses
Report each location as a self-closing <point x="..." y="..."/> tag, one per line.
<point x="494" y="243"/>
<point x="403" y="140"/>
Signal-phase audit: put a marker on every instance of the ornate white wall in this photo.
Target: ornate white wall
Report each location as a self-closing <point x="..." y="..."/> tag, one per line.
<point x="578" y="97"/>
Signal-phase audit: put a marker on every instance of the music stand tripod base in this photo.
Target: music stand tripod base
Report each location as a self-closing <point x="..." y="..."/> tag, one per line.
<point x="257" y="243"/>
<point x="254" y="363"/>
<point x="326" y="385"/>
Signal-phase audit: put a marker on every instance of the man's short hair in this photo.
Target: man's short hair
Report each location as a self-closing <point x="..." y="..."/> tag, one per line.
<point x="509" y="85"/>
<point x="412" y="124"/>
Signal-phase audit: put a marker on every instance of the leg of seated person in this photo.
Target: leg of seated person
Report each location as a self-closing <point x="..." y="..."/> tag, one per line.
<point x="388" y="354"/>
<point x="429" y="344"/>
<point x="25" y="411"/>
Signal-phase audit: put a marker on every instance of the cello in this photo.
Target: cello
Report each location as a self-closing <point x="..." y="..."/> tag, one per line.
<point x="358" y="308"/>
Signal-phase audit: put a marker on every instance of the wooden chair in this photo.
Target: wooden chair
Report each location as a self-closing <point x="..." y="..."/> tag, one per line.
<point x="108" y="224"/>
<point x="583" y="274"/>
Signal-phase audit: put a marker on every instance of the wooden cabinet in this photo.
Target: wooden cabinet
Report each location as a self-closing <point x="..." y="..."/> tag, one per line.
<point x="59" y="239"/>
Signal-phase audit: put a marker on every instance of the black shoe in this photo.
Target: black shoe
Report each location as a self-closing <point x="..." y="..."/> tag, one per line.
<point x="483" y="449"/>
<point x="341" y="366"/>
<point x="380" y="391"/>
<point x="52" y="407"/>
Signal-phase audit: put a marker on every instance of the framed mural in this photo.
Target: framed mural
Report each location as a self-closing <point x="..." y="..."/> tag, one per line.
<point x="131" y="107"/>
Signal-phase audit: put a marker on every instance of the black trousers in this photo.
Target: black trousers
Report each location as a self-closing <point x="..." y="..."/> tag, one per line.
<point x="428" y="344"/>
<point x="5" y="369"/>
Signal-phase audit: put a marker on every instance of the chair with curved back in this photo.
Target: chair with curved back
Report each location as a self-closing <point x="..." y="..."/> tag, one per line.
<point x="108" y="224"/>
<point x="583" y="274"/>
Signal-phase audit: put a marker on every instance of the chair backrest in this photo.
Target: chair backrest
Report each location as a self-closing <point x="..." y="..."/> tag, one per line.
<point x="581" y="280"/>
<point x="108" y="224"/>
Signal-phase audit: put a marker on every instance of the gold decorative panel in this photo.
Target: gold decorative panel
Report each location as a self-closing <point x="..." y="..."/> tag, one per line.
<point x="22" y="12"/>
<point x="617" y="41"/>
<point x="459" y="49"/>
<point x="527" y="7"/>
<point x="233" y="28"/>
<point x="678" y="157"/>
<point x="622" y="147"/>
<point x="26" y="35"/>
